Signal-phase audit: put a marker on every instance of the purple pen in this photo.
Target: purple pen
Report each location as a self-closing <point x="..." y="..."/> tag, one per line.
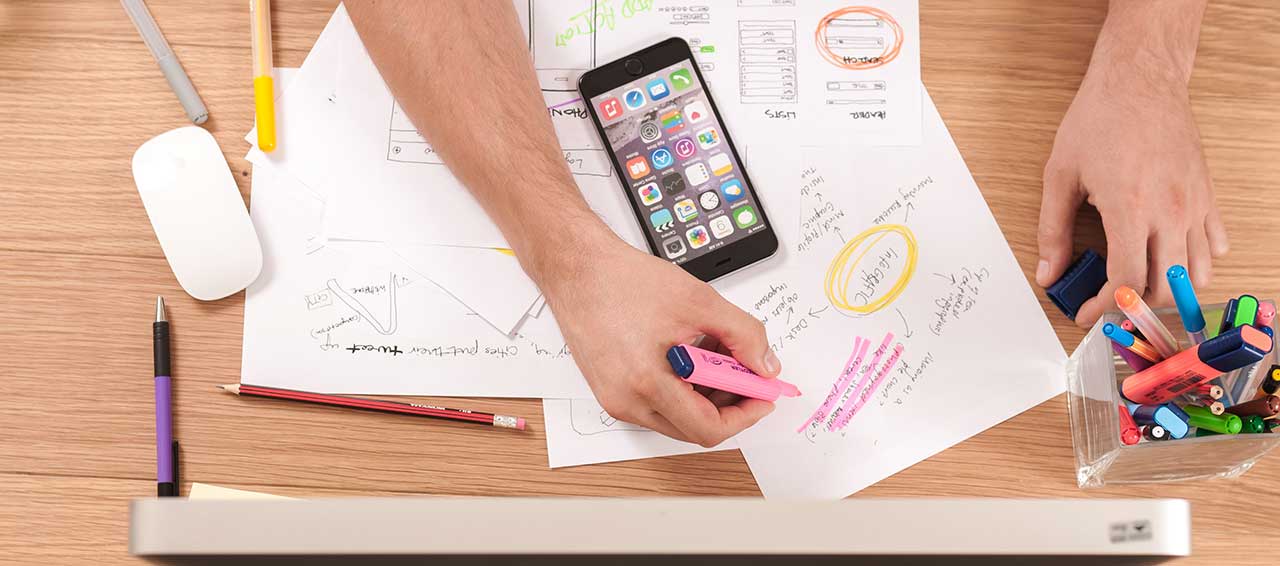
<point x="166" y="448"/>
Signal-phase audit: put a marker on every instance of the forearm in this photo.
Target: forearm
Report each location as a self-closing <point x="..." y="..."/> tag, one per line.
<point x="461" y="71"/>
<point x="1156" y="39"/>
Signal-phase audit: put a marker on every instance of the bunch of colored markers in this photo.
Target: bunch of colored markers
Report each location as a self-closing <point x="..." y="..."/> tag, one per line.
<point x="1212" y="387"/>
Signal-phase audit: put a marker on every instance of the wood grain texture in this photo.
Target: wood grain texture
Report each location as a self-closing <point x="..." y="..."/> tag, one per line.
<point x="81" y="269"/>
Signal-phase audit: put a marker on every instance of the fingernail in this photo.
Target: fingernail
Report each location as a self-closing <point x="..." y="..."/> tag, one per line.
<point x="1042" y="272"/>
<point x="771" y="363"/>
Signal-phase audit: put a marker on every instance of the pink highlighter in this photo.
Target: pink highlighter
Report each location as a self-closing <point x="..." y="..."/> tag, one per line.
<point x="707" y="368"/>
<point x="1229" y="351"/>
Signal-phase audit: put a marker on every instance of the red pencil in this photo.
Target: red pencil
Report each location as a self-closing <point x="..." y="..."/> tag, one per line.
<point x="501" y="421"/>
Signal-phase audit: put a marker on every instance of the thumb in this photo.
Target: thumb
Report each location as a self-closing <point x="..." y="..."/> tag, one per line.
<point x="1058" y="206"/>
<point x="742" y="334"/>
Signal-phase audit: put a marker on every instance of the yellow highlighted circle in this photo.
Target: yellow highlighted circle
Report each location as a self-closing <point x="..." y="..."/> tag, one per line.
<point x="845" y="264"/>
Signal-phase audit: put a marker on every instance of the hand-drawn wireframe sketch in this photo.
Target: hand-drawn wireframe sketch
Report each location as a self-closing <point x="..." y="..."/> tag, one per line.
<point x="392" y="320"/>
<point x="858" y="38"/>
<point x="767" y="61"/>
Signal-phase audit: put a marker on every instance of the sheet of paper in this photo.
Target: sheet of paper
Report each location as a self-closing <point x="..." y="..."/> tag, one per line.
<point x="579" y="432"/>
<point x="391" y="186"/>
<point x="828" y="72"/>
<point x="318" y="319"/>
<point x="488" y="282"/>
<point x="206" y="491"/>
<point x="910" y="326"/>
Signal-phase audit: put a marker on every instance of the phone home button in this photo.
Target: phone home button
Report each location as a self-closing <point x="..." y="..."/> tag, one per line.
<point x="633" y="66"/>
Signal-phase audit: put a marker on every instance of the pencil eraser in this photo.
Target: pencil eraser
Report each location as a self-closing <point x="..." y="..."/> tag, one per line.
<point x="1082" y="281"/>
<point x="519" y="423"/>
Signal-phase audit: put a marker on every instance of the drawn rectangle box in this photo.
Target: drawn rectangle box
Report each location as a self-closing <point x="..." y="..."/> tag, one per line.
<point x="767" y="37"/>
<point x="855" y="42"/>
<point x="766" y="95"/>
<point x="1094" y="373"/>
<point x="767" y="74"/>
<point x="765" y="3"/>
<point x="855" y="86"/>
<point x="781" y="61"/>
<point x="856" y="22"/>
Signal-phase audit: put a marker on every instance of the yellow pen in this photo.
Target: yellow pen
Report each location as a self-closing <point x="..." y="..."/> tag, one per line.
<point x="263" y="90"/>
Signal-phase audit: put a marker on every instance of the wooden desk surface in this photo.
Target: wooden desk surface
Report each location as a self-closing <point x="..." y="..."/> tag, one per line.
<point x="81" y="269"/>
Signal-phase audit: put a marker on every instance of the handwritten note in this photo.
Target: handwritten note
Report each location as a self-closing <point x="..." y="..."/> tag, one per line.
<point x="916" y="317"/>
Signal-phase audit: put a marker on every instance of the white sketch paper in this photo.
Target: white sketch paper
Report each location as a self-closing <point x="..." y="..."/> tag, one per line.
<point x="912" y="326"/>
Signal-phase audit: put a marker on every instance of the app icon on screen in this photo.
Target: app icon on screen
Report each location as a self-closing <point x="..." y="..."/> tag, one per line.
<point x="685" y="210"/>
<point x="637" y="167"/>
<point x="709" y="200"/>
<point x="610" y="109"/>
<point x="745" y="216"/>
<point x="634" y="99"/>
<point x="732" y="191"/>
<point x="649" y="194"/>
<point x="695" y="111"/>
<point x="720" y="164"/>
<point x="708" y="138"/>
<point x="662" y="221"/>
<point x="674" y="247"/>
<point x="657" y="89"/>
<point x="697" y="236"/>
<point x="684" y="148"/>
<point x="672" y="122"/>
<point x="649" y="132"/>
<point x="721" y="226"/>
<point x="697" y="173"/>
<point x="661" y="158"/>
<point x="673" y="183"/>
<point x="680" y="80"/>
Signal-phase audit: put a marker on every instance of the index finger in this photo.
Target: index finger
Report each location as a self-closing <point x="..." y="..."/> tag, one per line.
<point x="699" y="419"/>
<point x="1126" y="265"/>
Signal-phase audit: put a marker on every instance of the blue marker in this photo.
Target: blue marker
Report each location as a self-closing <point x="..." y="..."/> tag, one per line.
<point x="1169" y="416"/>
<point x="1188" y="307"/>
<point x="1130" y="342"/>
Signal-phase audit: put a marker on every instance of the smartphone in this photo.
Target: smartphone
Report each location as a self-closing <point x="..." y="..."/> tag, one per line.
<point x="677" y="162"/>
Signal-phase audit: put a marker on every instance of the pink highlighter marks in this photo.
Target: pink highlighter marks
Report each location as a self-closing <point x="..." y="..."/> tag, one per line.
<point x="717" y="371"/>
<point x="1234" y="349"/>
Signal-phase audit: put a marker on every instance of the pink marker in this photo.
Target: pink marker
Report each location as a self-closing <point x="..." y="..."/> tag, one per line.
<point x="1266" y="314"/>
<point x="717" y="371"/>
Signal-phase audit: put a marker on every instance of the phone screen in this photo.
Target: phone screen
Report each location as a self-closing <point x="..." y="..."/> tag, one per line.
<point x="677" y="163"/>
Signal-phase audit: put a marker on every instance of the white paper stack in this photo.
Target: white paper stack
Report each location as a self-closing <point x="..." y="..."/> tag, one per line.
<point x="384" y="276"/>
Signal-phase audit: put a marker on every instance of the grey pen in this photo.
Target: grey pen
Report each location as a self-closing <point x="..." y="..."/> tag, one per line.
<point x="169" y="65"/>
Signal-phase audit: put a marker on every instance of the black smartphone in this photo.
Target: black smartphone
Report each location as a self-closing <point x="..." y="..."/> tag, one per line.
<point x="677" y="162"/>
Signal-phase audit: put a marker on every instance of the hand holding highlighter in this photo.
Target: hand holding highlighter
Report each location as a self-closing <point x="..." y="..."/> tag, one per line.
<point x="717" y="371"/>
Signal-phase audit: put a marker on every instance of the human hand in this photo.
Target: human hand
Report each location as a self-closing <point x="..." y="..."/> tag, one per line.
<point x="620" y="309"/>
<point x="1130" y="147"/>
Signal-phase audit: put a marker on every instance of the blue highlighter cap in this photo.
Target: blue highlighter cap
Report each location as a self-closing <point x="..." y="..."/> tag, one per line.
<point x="1185" y="297"/>
<point x="1230" y="351"/>
<point x="1082" y="281"/>
<point x="680" y="361"/>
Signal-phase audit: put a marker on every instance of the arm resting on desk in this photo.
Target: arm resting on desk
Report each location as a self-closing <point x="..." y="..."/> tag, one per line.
<point x="462" y="73"/>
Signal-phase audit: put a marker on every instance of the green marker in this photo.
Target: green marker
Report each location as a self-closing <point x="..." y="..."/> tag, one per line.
<point x="1252" y="424"/>
<point x="1246" y="311"/>
<point x="1203" y="418"/>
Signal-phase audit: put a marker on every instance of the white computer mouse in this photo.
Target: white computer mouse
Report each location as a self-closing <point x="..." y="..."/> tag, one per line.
<point x="196" y="210"/>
